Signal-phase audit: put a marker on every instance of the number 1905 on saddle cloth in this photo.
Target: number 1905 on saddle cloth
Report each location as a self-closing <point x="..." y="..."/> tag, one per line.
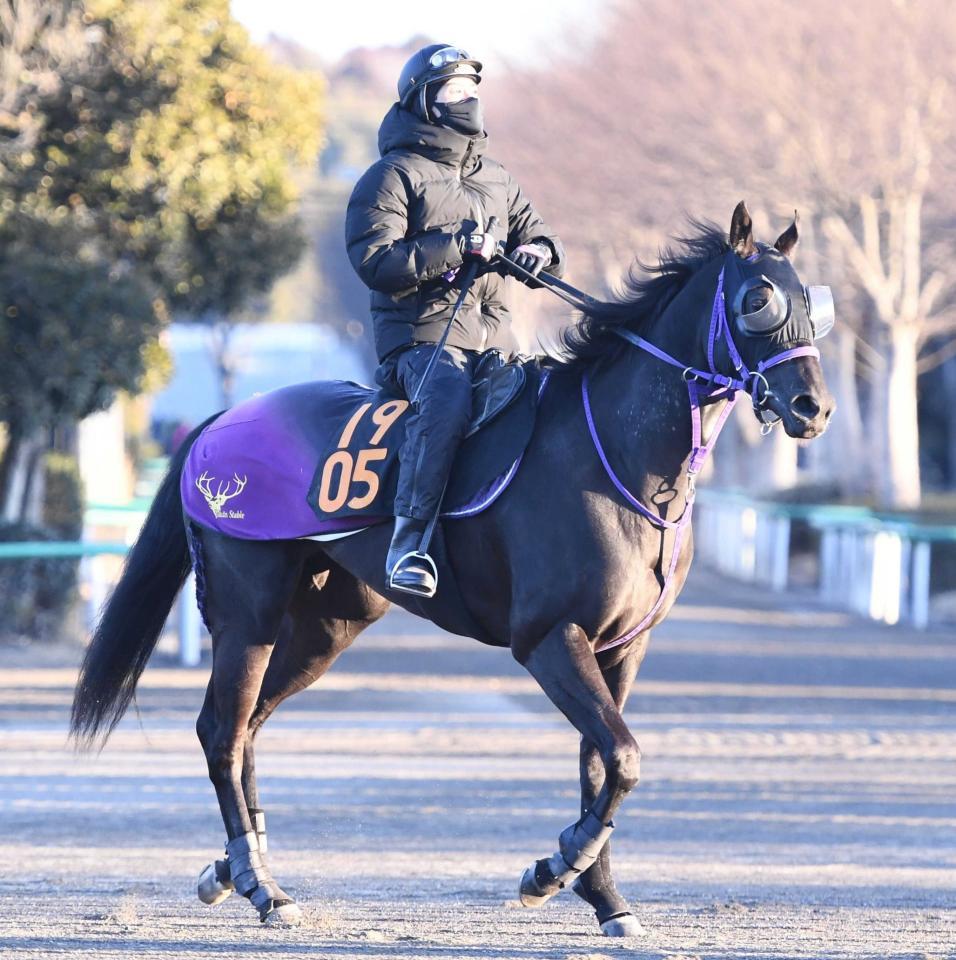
<point x="321" y="459"/>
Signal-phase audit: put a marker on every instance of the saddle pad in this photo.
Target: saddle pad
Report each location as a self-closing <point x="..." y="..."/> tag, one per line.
<point x="320" y="458"/>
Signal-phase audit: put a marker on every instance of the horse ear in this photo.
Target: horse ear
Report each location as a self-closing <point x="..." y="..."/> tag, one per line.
<point x="742" y="232"/>
<point x="788" y="239"/>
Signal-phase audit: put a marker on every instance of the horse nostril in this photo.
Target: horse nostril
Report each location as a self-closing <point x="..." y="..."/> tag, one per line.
<point x="805" y="406"/>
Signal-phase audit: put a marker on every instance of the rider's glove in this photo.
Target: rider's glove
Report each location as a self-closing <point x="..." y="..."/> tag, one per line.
<point x="533" y="257"/>
<point x="478" y="246"/>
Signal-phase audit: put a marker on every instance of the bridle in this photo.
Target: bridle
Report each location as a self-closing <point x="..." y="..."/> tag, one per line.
<point x="703" y="387"/>
<point x="746" y="380"/>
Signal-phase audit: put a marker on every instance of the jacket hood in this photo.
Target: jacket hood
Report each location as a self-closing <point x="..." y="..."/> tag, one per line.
<point x="403" y="130"/>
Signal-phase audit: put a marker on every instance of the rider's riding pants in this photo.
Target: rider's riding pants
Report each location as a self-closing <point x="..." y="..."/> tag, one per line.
<point x="435" y="428"/>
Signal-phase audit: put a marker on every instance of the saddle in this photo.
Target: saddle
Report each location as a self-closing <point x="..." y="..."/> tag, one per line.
<point x="495" y="385"/>
<point x="320" y="459"/>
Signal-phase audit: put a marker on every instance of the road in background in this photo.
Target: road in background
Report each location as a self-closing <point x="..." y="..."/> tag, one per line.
<point x="797" y="800"/>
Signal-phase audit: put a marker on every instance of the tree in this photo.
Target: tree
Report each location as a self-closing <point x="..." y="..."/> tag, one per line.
<point x="73" y="333"/>
<point x="140" y="142"/>
<point x="688" y="107"/>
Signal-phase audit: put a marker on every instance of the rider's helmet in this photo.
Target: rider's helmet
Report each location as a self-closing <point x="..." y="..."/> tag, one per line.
<point x="437" y="61"/>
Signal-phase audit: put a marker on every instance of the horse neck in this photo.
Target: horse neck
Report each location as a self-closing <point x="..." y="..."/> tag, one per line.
<point x="641" y="404"/>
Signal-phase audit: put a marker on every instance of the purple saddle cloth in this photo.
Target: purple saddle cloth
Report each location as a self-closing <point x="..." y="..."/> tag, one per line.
<point x="320" y="459"/>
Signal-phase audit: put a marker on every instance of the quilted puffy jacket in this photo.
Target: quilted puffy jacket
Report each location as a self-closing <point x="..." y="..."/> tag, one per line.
<point x="402" y="229"/>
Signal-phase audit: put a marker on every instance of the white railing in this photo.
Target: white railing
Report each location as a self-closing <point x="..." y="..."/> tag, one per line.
<point x="876" y="566"/>
<point x="100" y="569"/>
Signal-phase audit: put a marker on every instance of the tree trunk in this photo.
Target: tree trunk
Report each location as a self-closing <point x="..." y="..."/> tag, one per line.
<point x="843" y="444"/>
<point x="764" y="464"/>
<point x="782" y="453"/>
<point x="949" y="380"/>
<point x="900" y="486"/>
<point x="21" y="479"/>
<point x="220" y="345"/>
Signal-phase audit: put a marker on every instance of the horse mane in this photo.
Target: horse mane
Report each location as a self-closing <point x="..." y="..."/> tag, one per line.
<point x="648" y="289"/>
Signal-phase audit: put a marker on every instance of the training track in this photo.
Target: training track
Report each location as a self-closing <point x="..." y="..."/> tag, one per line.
<point x="798" y="799"/>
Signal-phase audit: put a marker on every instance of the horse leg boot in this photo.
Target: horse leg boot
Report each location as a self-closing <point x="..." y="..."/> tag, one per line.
<point x="215" y="881"/>
<point x="596" y="885"/>
<point x="564" y="665"/>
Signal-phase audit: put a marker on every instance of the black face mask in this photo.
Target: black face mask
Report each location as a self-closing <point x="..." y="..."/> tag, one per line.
<point x="464" y="116"/>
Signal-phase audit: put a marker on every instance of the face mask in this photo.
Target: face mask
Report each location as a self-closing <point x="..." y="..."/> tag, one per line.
<point x="464" y="116"/>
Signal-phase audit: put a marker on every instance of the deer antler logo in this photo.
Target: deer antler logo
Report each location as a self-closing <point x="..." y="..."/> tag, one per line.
<point x="223" y="493"/>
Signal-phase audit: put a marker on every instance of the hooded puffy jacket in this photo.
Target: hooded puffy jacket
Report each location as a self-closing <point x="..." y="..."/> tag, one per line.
<point x="402" y="229"/>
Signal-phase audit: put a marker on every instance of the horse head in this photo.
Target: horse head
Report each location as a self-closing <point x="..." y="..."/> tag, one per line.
<point x="769" y="316"/>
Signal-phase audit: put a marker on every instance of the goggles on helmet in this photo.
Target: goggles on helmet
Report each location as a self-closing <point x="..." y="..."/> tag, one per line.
<point x="446" y="55"/>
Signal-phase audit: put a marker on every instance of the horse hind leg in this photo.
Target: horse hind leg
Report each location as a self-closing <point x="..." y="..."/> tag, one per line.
<point x="328" y="610"/>
<point x="248" y="588"/>
<point x="215" y="881"/>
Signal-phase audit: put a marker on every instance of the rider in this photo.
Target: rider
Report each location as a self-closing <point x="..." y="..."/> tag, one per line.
<point x="414" y="218"/>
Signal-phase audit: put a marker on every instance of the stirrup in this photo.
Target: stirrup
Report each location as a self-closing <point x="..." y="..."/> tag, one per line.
<point x="403" y="588"/>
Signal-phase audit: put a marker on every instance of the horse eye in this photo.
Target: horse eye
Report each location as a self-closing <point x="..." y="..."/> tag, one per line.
<point x="757" y="299"/>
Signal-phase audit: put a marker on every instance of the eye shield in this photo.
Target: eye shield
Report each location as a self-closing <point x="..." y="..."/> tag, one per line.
<point x="773" y="315"/>
<point x="821" y="310"/>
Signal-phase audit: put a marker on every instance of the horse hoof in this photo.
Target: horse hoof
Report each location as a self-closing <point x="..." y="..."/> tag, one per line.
<point x="288" y="915"/>
<point x="626" y="925"/>
<point x="211" y="888"/>
<point x="530" y="894"/>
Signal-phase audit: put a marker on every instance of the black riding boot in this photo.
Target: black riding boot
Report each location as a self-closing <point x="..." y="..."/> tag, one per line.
<point x="407" y="569"/>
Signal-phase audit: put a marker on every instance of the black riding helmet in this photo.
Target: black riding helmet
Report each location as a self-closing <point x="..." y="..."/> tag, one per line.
<point x="437" y="61"/>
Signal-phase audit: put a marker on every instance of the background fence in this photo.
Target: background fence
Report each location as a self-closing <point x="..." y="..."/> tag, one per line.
<point x="881" y="567"/>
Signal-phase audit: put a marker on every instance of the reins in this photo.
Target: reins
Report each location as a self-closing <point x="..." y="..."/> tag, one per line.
<point x="703" y="387"/>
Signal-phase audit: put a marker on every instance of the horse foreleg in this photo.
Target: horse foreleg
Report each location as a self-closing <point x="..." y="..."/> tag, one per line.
<point x="596" y="885"/>
<point x="567" y="670"/>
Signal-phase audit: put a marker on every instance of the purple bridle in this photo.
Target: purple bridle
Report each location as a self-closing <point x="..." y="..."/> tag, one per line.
<point x="702" y="386"/>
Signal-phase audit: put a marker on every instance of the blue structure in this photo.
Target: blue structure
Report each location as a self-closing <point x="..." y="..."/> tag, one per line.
<point x="265" y="356"/>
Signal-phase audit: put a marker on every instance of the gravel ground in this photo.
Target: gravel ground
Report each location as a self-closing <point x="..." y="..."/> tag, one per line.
<point x="797" y="800"/>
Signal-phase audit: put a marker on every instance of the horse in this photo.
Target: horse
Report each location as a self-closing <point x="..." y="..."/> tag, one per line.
<point x="570" y="569"/>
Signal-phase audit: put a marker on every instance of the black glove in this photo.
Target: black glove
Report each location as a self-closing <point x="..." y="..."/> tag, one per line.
<point x="533" y="257"/>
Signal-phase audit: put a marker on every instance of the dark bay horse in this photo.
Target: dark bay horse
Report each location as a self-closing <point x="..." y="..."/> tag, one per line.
<point x="570" y="569"/>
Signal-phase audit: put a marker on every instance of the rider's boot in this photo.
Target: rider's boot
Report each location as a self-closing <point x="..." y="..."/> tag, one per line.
<point x="407" y="567"/>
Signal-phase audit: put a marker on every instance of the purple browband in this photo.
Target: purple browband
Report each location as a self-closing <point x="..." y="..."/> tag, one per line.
<point x="729" y="387"/>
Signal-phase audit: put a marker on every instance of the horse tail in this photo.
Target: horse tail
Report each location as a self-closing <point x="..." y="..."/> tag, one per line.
<point x="130" y="624"/>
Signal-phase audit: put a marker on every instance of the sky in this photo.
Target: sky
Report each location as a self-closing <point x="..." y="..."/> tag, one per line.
<point x="490" y="31"/>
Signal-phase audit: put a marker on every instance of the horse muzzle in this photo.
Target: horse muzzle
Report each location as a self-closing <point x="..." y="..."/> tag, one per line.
<point x="804" y="416"/>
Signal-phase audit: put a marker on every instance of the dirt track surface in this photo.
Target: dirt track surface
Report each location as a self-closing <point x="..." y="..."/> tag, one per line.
<point x="798" y="799"/>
